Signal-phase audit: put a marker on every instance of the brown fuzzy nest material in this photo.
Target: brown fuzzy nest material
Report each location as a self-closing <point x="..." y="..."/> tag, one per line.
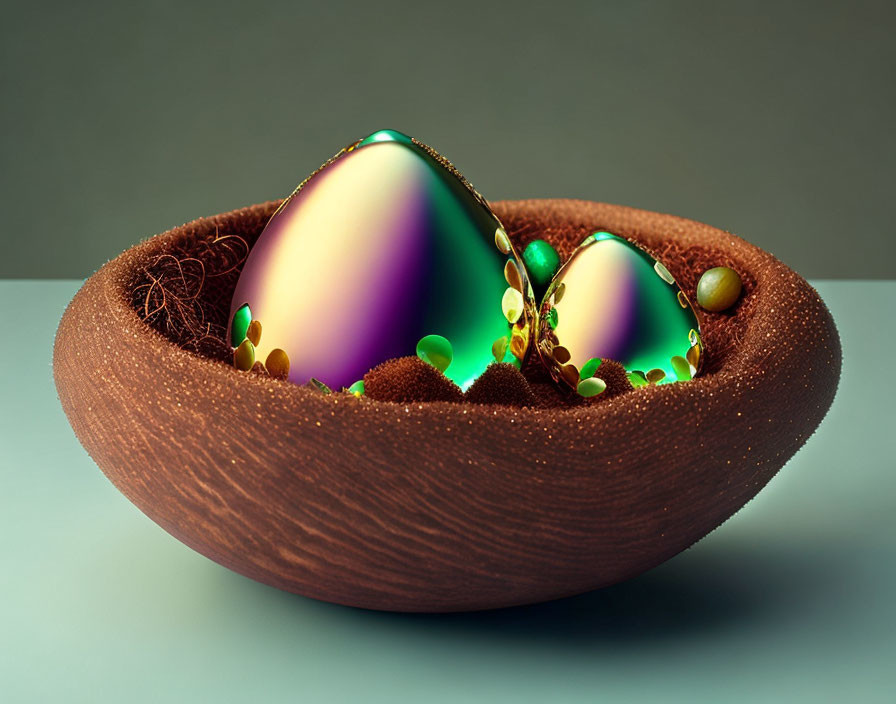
<point x="502" y="384"/>
<point x="410" y="380"/>
<point x="436" y="506"/>
<point x="185" y="295"/>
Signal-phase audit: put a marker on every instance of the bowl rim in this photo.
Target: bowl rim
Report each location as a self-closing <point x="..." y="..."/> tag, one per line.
<point x="122" y="270"/>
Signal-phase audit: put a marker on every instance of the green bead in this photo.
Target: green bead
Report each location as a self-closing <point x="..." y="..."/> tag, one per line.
<point x="240" y="325"/>
<point x="318" y="385"/>
<point x="591" y="387"/>
<point x="681" y="367"/>
<point x="542" y="262"/>
<point x="589" y="368"/>
<point x="637" y="379"/>
<point x="357" y="388"/>
<point x="435" y="350"/>
<point x="500" y="348"/>
<point x="512" y="305"/>
<point x="244" y="356"/>
<point x="718" y="289"/>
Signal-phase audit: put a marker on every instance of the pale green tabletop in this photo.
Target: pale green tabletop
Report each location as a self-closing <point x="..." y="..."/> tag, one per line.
<point x="791" y="600"/>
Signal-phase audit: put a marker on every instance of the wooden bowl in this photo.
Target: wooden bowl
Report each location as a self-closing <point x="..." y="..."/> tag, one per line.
<point x="449" y="506"/>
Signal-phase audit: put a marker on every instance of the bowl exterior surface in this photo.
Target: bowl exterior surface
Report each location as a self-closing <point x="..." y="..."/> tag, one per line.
<point x="443" y="506"/>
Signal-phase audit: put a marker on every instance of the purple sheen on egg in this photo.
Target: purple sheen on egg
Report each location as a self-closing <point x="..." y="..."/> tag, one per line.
<point x="618" y="302"/>
<point x="379" y="249"/>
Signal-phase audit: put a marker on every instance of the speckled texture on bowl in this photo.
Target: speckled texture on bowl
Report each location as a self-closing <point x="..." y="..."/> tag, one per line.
<point x="449" y="506"/>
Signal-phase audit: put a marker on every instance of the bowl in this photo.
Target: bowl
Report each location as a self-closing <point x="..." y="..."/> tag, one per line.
<point x="444" y="506"/>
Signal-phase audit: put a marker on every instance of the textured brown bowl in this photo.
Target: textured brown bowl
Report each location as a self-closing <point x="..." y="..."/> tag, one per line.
<point x="449" y="506"/>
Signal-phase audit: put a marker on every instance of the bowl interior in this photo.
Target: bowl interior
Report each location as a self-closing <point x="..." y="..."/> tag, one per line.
<point x="183" y="289"/>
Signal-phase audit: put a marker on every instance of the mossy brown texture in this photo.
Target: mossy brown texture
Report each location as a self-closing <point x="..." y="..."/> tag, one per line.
<point x="409" y="380"/>
<point x="614" y="376"/>
<point x="501" y="384"/>
<point x="448" y="506"/>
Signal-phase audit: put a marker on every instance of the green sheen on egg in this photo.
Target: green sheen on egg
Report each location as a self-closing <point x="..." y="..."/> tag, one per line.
<point x="612" y="300"/>
<point x="383" y="247"/>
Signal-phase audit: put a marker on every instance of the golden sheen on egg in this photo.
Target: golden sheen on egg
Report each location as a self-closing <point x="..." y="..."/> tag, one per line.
<point x="383" y="248"/>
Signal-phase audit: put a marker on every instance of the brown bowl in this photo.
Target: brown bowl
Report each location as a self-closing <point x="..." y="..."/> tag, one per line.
<point x="449" y="506"/>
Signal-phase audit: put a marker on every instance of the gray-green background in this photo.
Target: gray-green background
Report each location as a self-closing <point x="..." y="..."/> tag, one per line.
<point x="772" y="120"/>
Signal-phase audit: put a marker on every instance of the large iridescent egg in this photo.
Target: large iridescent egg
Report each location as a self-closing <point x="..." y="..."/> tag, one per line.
<point x="383" y="247"/>
<point x="612" y="300"/>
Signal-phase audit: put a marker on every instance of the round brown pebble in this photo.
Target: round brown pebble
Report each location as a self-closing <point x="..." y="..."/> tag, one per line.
<point x="718" y="289"/>
<point x="560" y="354"/>
<point x="655" y="376"/>
<point x="254" y="332"/>
<point x="277" y="363"/>
<point x="501" y="384"/>
<point x="409" y="380"/>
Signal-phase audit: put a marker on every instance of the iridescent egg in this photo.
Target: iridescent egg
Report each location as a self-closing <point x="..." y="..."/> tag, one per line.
<point x="383" y="246"/>
<point x="612" y="300"/>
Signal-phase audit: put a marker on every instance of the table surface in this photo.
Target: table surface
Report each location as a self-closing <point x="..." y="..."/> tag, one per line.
<point x="790" y="600"/>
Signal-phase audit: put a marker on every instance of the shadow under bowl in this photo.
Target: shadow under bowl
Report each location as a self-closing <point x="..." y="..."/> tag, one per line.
<point x="449" y="506"/>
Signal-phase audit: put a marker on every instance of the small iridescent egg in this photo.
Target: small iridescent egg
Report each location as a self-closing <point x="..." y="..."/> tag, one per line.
<point x="612" y="300"/>
<point x="380" y="252"/>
